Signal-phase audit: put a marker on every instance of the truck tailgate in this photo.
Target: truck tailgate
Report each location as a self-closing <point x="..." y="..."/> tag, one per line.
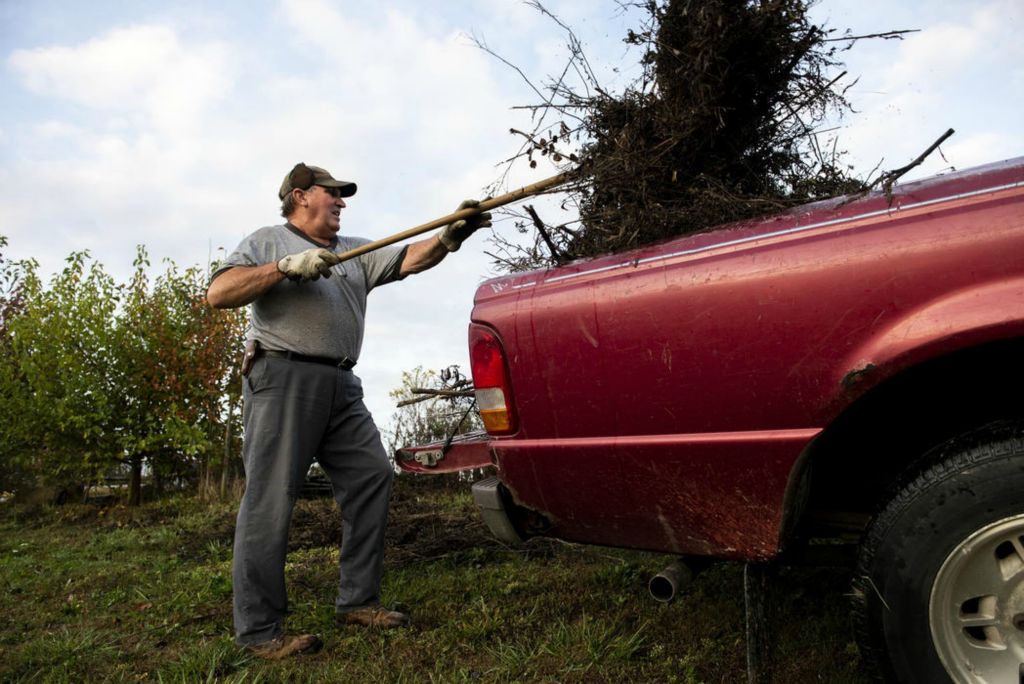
<point x="465" y="452"/>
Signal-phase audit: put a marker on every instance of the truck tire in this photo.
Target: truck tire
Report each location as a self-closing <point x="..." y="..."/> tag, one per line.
<point x="939" y="588"/>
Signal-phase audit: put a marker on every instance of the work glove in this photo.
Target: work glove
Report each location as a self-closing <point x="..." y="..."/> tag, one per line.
<point x="308" y="265"/>
<point x="453" y="235"/>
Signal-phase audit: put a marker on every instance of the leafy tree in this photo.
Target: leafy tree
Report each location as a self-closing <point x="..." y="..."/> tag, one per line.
<point x="57" y="398"/>
<point x="176" y="374"/>
<point x="14" y="392"/>
<point x="94" y="374"/>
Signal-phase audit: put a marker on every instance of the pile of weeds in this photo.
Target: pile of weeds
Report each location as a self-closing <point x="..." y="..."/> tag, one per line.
<point x="720" y="126"/>
<point x="719" y="130"/>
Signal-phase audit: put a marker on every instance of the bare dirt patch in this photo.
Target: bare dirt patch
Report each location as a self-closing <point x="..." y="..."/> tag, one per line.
<point x="423" y="525"/>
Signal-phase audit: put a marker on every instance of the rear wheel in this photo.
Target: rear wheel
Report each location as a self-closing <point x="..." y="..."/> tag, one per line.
<point x="940" y="581"/>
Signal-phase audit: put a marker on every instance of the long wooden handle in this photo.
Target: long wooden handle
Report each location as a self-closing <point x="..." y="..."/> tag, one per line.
<point x="485" y="205"/>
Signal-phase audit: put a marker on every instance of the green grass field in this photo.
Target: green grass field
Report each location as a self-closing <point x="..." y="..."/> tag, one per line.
<point x="114" y="594"/>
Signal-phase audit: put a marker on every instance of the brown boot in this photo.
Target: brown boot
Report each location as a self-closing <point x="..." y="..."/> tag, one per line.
<point x="374" y="616"/>
<point x="286" y="645"/>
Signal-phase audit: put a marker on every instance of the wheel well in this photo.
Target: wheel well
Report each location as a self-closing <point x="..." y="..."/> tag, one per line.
<point x="853" y="467"/>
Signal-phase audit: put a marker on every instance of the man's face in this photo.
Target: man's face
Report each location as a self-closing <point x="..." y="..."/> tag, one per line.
<point x="325" y="205"/>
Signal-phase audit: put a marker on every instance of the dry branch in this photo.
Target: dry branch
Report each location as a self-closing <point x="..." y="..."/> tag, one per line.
<point x="428" y="393"/>
<point x="889" y="178"/>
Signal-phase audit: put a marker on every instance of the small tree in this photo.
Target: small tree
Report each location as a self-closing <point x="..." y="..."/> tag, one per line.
<point x="55" y="389"/>
<point x="176" y="360"/>
<point x="432" y="406"/>
<point x="15" y="394"/>
<point x="95" y="374"/>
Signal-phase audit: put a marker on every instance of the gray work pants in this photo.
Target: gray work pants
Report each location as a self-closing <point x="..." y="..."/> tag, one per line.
<point x="294" y="412"/>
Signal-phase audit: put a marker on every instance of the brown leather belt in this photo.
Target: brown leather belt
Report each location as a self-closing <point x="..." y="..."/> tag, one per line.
<point x="344" y="364"/>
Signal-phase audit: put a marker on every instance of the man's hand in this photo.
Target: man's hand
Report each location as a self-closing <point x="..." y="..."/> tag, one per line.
<point x="308" y="265"/>
<point x="453" y="235"/>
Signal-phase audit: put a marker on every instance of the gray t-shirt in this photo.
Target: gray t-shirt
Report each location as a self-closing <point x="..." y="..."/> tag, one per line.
<point x="324" y="317"/>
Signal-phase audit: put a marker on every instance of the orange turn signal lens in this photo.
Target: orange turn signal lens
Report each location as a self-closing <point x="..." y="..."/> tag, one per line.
<point x="496" y="420"/>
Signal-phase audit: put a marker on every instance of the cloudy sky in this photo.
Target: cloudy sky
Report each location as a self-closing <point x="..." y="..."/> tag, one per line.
<point x="129" y="122"/>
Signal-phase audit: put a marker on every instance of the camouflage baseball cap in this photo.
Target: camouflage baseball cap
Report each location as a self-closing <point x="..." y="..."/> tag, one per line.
<point x="304" y="176"/>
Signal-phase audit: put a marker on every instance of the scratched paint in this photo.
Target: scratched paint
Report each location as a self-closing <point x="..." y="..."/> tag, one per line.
<point x="855" y="376"/>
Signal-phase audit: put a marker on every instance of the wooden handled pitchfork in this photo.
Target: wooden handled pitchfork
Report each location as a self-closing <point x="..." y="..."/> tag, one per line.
<point x="485" y="205"/>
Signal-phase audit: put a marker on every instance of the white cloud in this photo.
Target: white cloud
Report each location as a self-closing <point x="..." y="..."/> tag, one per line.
<point x="143" y="69"/>
<point x="55" y="130"/>
<point x="981" y="148"/>
<point x="433" y="84"/>
<point x="954" y="73"/>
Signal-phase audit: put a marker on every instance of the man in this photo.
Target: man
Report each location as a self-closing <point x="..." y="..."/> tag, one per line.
<point x="303" y="402"/>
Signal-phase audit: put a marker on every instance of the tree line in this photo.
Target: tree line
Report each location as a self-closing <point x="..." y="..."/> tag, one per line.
<point x="100" y="378"/>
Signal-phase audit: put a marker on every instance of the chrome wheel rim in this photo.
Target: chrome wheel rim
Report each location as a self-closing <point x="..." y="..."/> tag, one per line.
<point x="976" y="610"/>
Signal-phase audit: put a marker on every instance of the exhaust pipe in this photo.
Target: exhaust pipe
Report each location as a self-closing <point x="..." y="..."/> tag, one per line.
<point x="675" y="577"/>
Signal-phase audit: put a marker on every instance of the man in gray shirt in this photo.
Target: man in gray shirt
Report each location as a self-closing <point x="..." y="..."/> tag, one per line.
<point x="303" y="402"/>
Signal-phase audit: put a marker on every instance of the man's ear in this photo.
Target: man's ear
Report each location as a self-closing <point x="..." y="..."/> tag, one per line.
<point x="300" y="198"/>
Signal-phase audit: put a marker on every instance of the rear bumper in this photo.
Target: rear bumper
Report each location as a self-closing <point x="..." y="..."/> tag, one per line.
<point x="508" y="522"/>
<point x="489" y="497"/>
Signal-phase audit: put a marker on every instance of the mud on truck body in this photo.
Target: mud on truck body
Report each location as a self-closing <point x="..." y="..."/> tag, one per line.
<point x="852" y="368"/>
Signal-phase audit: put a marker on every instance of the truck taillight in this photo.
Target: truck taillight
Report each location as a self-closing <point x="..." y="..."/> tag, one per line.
<point x="490" y="378"/>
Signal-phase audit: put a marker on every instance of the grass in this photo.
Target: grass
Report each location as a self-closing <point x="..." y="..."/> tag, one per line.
<point x="114" y="594"/>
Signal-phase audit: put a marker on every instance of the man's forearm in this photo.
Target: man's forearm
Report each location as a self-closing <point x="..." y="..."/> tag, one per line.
<point x="423" y="255"/>
<point x="240" y="285"/>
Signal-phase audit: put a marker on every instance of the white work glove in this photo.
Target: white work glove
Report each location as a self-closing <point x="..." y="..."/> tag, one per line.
<point x="453" y="235"/>
<point x="308" y="265"/>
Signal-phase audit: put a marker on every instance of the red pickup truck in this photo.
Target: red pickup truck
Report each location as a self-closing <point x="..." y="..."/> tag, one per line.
<point x="853" y="366"/>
